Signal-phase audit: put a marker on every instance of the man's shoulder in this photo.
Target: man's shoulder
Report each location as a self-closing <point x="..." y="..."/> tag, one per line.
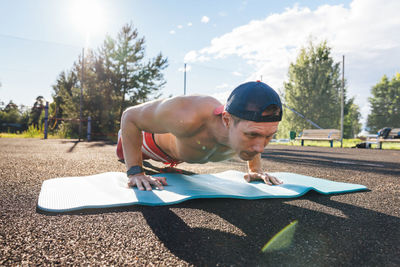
<point x="202" y="104"/>
<point x="193" y="112"/>
<point x="203" y="99"/>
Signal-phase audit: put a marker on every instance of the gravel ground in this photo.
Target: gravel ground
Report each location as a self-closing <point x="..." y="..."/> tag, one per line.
<point x="357" y="229"/>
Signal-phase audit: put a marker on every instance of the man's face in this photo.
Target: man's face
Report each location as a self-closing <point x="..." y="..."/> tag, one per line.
<point x="249" y="138"/>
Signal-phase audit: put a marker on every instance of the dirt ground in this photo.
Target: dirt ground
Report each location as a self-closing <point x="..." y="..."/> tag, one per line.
<point x="357" y="229"/>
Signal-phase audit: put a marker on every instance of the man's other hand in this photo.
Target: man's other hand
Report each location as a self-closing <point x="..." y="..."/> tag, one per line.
<point x="143" y="181"/>
<point x="268" y="179"/>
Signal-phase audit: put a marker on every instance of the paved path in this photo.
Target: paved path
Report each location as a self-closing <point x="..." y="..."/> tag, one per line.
<point x="359" y="229"/>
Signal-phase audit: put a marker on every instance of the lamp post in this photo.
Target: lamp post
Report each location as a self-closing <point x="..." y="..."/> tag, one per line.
<point x="342" y="106"/>
<point x="81" y="97"/>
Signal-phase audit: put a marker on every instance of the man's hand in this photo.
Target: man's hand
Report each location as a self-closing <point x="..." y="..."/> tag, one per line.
<point x="143" y="181"/>
<point x="268" y="179"/>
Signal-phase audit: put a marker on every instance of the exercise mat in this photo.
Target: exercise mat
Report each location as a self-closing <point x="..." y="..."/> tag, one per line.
<point x="110" y="189"/>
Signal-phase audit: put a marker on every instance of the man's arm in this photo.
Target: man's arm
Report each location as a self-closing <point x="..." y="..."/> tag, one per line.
<point x="132" y="144"/>
<point x="175" y="115"/>
<point x="256" y="172"/>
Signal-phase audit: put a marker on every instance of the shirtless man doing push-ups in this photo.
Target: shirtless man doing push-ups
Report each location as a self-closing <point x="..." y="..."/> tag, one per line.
<point x="199" y="129"/>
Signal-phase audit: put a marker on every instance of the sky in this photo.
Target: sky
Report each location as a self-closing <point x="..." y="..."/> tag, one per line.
<point x="224" y="43"/>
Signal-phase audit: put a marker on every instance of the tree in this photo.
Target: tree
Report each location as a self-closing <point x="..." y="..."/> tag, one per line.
<point x="385" y="104"/>
<point x="115" y="76"/>
<point x="13" y="119"/>
<point x="351" y="119"/>
<point x="66" y="85"/>
<point x="99" y="98"/>
<point x="313" y="90"/>
<point x="1" y="102"/>
<point x="128" y="73"/>
<point x="36" y="112"/>
<point x="10" y="113"/>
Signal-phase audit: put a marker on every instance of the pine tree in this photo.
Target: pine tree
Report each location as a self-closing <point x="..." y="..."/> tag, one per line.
<point x="127" y="71"/>
<point x="36" y="112"/>
<point x="115" y="76"/>
<point x="64" y="89"/>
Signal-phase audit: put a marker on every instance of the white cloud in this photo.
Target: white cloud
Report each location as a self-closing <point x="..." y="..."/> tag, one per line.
<point x="222" y="96"/>
<point x="193" y="56"/>
<point x="172" y="32"/>
<point x="205" y="19"/>
<point x="180" y="27"/>
<point x="364" y="110"/>
<point x="189" y="24"/>
<point x="236" y="73"/>
<point x="369" y="39"/>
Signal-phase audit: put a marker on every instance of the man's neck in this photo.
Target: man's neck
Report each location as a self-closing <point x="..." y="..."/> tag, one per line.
<point x="219" y="131"/>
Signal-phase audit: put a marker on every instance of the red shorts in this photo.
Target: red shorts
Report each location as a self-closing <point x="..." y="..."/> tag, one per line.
<point x="150" y="150"/>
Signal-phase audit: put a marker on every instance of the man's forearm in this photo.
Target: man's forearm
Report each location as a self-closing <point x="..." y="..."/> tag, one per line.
<point x="254" y="165"/>
<point x="131" y="143"/>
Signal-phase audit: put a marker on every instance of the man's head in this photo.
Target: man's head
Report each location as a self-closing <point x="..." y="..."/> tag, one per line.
<point x="252" y="114"/>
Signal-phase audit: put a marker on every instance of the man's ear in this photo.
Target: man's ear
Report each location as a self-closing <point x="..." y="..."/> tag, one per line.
<point x="226" y="118"/>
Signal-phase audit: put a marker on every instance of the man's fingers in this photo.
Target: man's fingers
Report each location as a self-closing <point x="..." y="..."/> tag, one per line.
<point x="131" y="182"/>
<point x="275" y="180"/>
<point x="146" y="185"/>
<point x="163" y="180"/>
<point x="146" y="182"/>
<point x="157" y="183"/>
<point x="266" y="179"/>
<point x="138" y="184"/>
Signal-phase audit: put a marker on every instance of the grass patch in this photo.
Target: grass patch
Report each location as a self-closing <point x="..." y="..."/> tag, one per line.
<point x="24" y="135"/>
<point x="32" y="132"/>
<point x="389" y="146"/>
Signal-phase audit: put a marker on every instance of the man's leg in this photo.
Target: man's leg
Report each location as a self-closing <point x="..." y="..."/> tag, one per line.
<point x="120" y="151"/>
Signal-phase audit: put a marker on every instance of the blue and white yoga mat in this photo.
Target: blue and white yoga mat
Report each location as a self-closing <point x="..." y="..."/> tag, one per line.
<point x="110" y="189"/>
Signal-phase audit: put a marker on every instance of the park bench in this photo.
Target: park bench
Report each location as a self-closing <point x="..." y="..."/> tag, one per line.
<point x="393" y="137"/>
<point x="319" y="135"/>
<point x="371" y="139"/>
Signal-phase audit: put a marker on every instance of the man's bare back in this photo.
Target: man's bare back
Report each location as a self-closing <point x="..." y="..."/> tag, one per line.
<point x="188" y="129"/>
<point x="203" y="143"/>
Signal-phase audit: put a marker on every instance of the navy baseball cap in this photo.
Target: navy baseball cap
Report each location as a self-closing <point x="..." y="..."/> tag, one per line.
<point x="249" y="100"/>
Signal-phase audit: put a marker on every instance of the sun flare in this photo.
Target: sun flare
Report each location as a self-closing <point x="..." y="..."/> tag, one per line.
<point x="87" y="16"/>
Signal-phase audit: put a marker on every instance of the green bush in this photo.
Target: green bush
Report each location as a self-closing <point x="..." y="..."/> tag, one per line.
<point x="33" y="132"/>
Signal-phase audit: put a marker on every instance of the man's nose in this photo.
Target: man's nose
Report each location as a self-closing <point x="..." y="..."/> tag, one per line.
<point x="259" y="146"/>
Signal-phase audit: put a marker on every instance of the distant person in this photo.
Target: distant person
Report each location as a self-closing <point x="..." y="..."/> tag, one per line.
<point x="199" y="129"/>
